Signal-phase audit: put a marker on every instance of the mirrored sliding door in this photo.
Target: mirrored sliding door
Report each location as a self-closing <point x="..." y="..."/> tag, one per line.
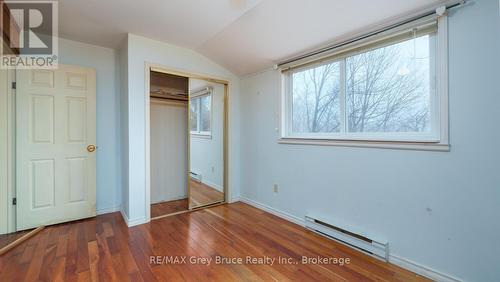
<point x="206" y="143"/>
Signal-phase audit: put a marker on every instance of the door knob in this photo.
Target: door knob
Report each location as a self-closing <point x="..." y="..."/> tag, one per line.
<point x="91" y="148"/>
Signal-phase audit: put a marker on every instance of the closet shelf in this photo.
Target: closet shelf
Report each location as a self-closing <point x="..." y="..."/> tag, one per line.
<point x="161" y="93"/>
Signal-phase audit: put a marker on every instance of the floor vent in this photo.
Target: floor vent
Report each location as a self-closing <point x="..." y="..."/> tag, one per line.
<point x="358" y="240"/>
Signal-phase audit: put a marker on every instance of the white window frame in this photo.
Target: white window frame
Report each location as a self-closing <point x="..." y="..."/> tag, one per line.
<point x="198" y="132"/>
<point x="438" y="140"/>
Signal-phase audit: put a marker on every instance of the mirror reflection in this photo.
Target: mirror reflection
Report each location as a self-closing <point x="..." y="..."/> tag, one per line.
<point x="206" y="143"/>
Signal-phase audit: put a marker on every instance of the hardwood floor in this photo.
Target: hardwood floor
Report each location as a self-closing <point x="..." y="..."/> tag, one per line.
<point x="169" y="207"/>
<point x="202" y="194"/>
<point x="6" y="239"/>
<point x="103" y="248"/>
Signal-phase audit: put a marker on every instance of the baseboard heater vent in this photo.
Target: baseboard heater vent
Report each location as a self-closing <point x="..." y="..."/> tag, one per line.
<point x="375" y="247"/>
<point x="196" y="177"/>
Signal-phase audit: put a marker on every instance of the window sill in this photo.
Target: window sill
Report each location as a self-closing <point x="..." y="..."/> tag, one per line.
<point x="420" y="146"/>
<point x="202" y="136"/>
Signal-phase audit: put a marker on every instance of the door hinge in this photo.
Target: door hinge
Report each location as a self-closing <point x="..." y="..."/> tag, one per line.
<point x="14" y="201"/>
<point x="14" y="85"/>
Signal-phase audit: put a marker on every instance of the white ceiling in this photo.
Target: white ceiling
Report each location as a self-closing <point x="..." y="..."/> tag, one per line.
<point x="244" y="36"/>
<point x="187" y="23"/>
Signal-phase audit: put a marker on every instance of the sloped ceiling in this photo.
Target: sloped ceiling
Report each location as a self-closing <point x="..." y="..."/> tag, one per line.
<point x="244" y="36"/>
<point x="186" y="23"/>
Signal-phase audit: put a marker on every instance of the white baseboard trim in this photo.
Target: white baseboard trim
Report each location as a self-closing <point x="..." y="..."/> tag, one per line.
<point x="137" y="221"/>
<point x="213" y="185"/>
<point x="234" y="200"/>
<point x="422" y="269"/>
<point x="394" y="259"/>
<point x="133" y="222"/>
<point x="124" y="215"/>
<point x="276" y="212"/>
<point x="170" y="199"/>
<point x="108" y="210"/>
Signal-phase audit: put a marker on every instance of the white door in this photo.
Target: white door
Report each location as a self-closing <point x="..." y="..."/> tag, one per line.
<point x="56" y="129"/>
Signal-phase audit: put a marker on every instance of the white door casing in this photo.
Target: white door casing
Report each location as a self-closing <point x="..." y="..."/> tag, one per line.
<point x="56" y="121"/>
<point x="7" y="145"/>
<point x="4" y="164"/>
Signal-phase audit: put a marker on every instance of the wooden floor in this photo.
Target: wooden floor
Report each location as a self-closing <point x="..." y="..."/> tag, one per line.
<point x="6" y="239"/>
<point x="169" y="207"/>
<point x="104" y="249"/>
<point x="202" y="194"/>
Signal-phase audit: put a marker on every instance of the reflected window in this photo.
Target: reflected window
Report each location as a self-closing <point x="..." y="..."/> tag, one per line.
<point x="205" y="112"/>
<point x="200" y="115"/>
<point x="193" y="115"/>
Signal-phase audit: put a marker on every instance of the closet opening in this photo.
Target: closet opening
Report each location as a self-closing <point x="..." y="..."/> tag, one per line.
<point x="168" y="143"/>
<point x="187" y="142"/>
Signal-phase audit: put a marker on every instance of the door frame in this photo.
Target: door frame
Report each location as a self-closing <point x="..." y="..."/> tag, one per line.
<point x="148" y="67"/>
<point x="7" y="208"/>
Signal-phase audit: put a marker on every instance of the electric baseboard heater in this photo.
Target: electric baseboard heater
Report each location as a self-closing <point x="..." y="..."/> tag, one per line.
<point x="375" y="247"/>
<point x="196" y="177"/>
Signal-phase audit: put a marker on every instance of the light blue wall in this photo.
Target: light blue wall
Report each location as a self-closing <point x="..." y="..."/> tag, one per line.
<point x="438" y="209"/>
<point x="105" y="62"/>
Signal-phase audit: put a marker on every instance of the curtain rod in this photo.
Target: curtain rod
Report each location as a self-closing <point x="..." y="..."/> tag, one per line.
<point x="440" y="10"/>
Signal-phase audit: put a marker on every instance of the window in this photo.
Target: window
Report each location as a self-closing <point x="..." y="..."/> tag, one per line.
<point x="194" y="106"/>
<point x="205" y="112"/>
<point x="200" y="114"/>
<point x="387" y="90"/>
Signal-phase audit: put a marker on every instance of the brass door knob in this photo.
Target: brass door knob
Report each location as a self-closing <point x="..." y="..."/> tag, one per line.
<point x="91" y="148"/>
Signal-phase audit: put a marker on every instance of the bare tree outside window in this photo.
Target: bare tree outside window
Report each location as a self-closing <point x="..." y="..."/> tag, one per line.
<point x="200" y="114"/>
<point x="316" y="99"/>
<point x="205" y="112"/>
<point x="386" y="90"/>
<point x="193" y="114"/>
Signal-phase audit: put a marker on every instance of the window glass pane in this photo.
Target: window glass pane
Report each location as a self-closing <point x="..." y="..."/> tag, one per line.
<point x="315" y="99"/>
<point x="193" y="114"/>
<point x="388" y="89"/>
<point x="205" y="112"/>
